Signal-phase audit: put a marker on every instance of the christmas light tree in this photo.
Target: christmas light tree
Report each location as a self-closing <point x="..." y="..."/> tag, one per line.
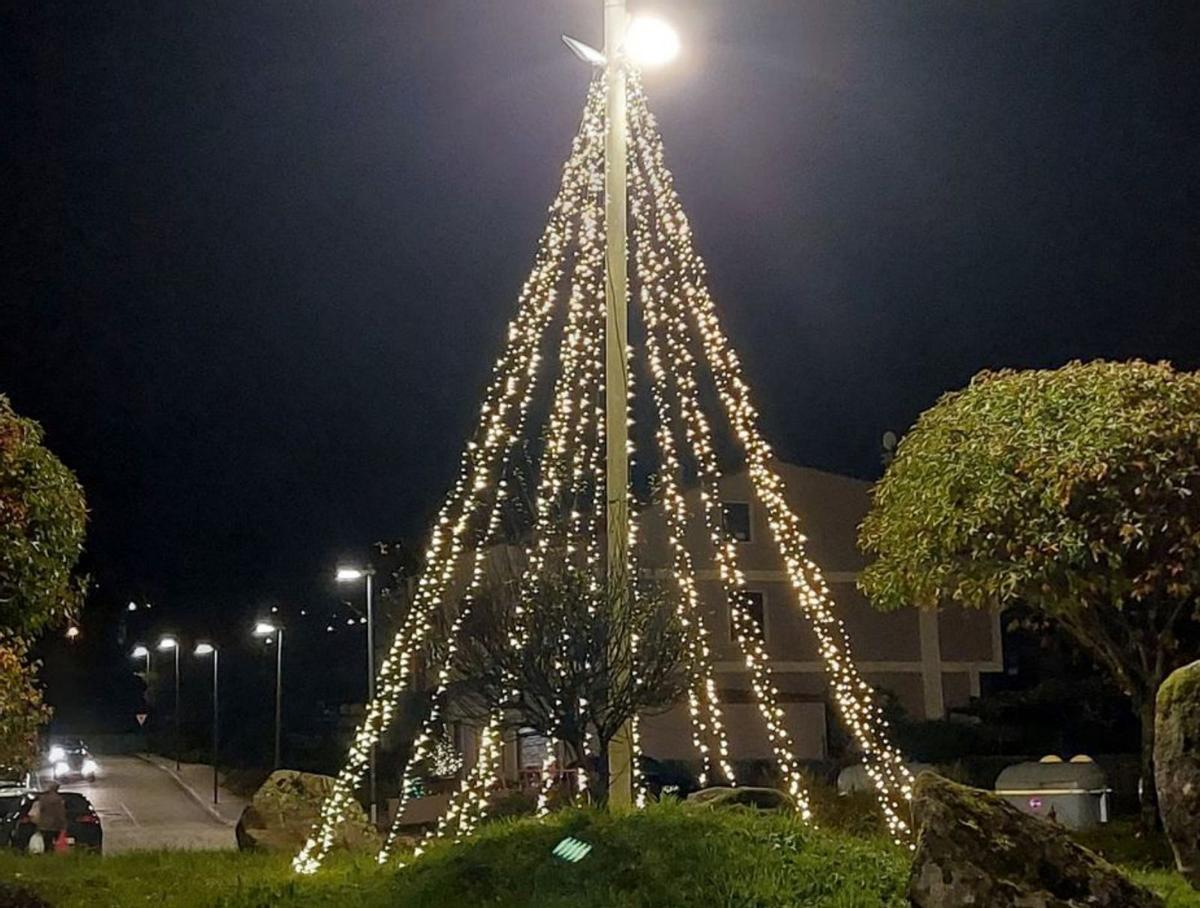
<point x="574" y="506"/>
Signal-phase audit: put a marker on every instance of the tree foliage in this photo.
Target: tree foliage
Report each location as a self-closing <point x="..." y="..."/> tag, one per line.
<point x="42" y="520"/>
<point x="22" y="711"/>
<point x="1075" y="491"/>
<point x="573" y="677"/>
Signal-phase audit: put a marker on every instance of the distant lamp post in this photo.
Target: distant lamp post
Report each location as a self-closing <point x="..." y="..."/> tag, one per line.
<point x="349" y="574"/>
<point x="270" y="630"/>
<point x="165" y="644"/>
<point x="207" y="649"/>
<point x="73" y="632"/>
<point x="141" y="651"/>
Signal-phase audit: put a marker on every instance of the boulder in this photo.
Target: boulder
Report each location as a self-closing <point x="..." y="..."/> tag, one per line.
<point x="974" y="849"/>
<point x="1177" y="765"/>
<point x="760" y="798"/>
<point x="282" y="813"/>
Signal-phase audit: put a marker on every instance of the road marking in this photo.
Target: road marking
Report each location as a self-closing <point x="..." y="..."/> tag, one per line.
<point x="129" y="814"/>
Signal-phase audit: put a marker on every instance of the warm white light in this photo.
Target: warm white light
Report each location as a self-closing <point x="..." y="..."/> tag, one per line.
<point x="140" y="652"/>
<point x="263" y="628"/>
<point x="346" y="574"/>
<point x="651" y="42"/>
<point x="57" y="754"/>
<point x="132" y="606"/>
<point x="72" y="632"/>
<point x="204" y="649"/>
<point x="167" y="643"/>
<point x="90" y="767"/>
<point x="61" y="768"/>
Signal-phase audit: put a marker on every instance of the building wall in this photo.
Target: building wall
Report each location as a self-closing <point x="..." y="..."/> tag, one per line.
<point x="930" y="660"/>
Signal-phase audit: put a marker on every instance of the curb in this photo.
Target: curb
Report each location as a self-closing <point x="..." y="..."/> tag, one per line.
<point x="189" y="791"/>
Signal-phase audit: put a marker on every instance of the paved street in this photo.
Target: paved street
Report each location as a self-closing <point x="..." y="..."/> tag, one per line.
<point x="141" y="806"/>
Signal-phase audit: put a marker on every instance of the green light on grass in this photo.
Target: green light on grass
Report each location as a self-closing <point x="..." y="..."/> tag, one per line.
<point x="572" y="850"/>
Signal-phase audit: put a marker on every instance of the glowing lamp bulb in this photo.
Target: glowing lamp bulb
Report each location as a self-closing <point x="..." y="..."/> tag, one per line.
<point x="651" y="42"/>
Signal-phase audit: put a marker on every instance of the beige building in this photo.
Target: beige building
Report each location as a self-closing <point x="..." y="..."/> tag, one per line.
<point x="931" y="661"/>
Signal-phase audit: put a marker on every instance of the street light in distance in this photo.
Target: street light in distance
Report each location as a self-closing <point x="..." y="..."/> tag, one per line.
<point x="166" y="644"/>
<point x="269" y="629"/>
<point x="207" y="649"/>
<point x="349" y="574"/>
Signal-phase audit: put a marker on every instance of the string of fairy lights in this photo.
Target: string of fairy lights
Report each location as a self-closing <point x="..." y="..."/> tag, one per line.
<point x="683" y="337"/>
<point x="511" y="376"/>
<point x="658" y="280"/>
<point x="884" y="764"/>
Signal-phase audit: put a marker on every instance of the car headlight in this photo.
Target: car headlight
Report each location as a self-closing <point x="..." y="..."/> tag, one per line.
<point x="57" y="754"/>
<point x="61" y="768"/>
<point x="89" y="767"/>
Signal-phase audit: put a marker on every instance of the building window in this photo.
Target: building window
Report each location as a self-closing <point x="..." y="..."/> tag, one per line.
<point x="754" y="604"/>
<point x="736" y="517"/>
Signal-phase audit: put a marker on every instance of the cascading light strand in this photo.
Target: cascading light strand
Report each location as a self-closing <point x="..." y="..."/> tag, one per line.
<point x="703" y="706"/>
<point x="518" y="361"/>
<point x="584" y="210"/>
<point x="883" y="762"/>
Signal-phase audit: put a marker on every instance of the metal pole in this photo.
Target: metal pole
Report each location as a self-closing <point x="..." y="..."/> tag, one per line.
<point x="620" y="753"/>
<point x="371" y="690"/>
<point x="216" y="724"/>
<point x="178" y="737"/>
<point x="278" y="694"/>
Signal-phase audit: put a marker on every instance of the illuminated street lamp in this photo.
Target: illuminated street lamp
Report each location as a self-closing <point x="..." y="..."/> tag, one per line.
<point x="142" y="652"/>
<point x="649" y="41"/>
<point x="165" y="644"/>
<point x="207" y="649"/>
<point x="349" y="574"/>
<point x="271" y="630"/>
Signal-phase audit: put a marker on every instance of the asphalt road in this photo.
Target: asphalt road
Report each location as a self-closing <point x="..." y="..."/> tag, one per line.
<point x="142" y="807"/>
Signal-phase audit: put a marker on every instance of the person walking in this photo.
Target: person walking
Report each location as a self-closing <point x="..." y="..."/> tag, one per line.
<point x="50" y="814"/>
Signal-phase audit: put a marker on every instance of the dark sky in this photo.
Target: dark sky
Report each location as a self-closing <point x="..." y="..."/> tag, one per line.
<point x="260" y="255"/>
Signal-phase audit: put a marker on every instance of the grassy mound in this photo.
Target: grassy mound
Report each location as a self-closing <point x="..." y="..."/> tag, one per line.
<point x="667" y="855"/>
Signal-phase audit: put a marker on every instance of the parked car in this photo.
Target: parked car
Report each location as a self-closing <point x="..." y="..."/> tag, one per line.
<point x="69" y="758"/>
<point x="13" y="792"/>
<point x="83" y="823"/>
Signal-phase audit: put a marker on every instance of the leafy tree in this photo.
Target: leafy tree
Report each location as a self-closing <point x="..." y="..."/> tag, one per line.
<point x="22" y="711"/>
<point x="1075" y="491"/>
<point x="42" y="518"/>
<point x="569" y="678"/>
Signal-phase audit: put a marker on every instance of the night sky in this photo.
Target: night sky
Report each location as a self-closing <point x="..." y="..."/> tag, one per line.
<point x="259" y="256"/>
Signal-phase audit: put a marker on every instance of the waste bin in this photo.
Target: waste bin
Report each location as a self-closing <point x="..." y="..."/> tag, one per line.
<point x="1074" y="793"/>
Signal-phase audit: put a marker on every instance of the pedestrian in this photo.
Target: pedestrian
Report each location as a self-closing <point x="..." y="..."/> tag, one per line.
<point x="49" y="811"/>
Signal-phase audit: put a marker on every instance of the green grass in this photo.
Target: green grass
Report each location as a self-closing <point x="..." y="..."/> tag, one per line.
<point x="667" y="855"/>
<point x="1147" y="859"/>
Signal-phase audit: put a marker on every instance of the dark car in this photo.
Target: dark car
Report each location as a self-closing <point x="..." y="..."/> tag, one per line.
<point x="83" y="823"/>
<point x="70" y="758"/>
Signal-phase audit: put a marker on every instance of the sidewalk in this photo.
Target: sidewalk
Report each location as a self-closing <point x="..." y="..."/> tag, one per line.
<point x="196" y="780"/>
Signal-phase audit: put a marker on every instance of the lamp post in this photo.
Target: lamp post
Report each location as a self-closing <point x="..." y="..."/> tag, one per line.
<point x="165" y="644"/>
<point x="142" y="652"/>
<point x="207" y="649"/>
<point x="268" y="629"/>
<point x="349" y="575"/>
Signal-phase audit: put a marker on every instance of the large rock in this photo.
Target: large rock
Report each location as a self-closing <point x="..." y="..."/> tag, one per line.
<point x="973" y="849"/>
<point x="1177" y="765"/>
<point x="282" y="813"/>
<point x="746" y="796"/>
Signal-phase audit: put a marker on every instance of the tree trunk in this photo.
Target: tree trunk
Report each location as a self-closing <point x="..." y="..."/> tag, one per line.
<point x="599" y="779"/>
<point x="1148" y="815"/>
